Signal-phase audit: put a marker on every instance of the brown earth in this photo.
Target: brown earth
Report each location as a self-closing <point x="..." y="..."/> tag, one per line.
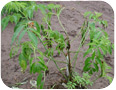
<point x="72" y="19"/>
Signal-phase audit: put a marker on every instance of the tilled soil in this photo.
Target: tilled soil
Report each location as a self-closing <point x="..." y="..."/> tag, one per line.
<point x="72" y="19"/>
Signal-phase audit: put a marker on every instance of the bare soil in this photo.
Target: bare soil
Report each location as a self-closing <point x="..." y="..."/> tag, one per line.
<point x="72" y="19"/>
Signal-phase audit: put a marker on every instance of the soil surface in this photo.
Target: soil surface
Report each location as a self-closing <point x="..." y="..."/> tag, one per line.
<point x="72" y="19"/>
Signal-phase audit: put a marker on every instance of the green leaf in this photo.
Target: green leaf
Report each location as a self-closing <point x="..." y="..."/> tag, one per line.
<point x="91" y="15"/>
<point x="97" y="35"/>
<point x="87" y="60"/>
<point x="109" y="78"/>
<point x="91" y="71"/>
<point x="98" y="14"/>
<point x="109" y="49"/>
<point x="37" y="26"/>
<point x="105" y="33"/>
<point x="29" y="12"/>
<point x="93" y="55"/>
<point x="33" y="38"/>
<point x="113" y="46"/>
<point x="99" y="54"/>
<point x="92" y="44"/>
<point x="96" y="66"/>
<point x="86" y="14"/>
<point x="42" y="7"/>
<point x="103" y="50"/>
<point x="21" y="35"/>
<point x="87" y="52"/>
<point x="39" y="79"/>
<point x="4" y="22"/>
<point x="16" y="33"/>
<point x="105" y="23"/>
<point x="99" y="61"/>
<point x="35" y="68"/>
<point x="41" y="85"/>
<point x="87" y="67"/>
<point x="92" y="26"/>
<point x="15" y="17"/>
<point x="22" y="62"/>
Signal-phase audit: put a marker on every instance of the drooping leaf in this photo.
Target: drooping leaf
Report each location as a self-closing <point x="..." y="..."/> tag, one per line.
<point x="87" y="67"/>
<point x="21" y="35"/>
<point x="93" y="55"/>
<point x="99" y="53"/>
<point x="39" y="79"/>
<point x="22" y="62"/>
<point x="99" y="61"/>
<point x="15" y="18"/>
<point x="96" y="66"/>
<point x="35" y="68"/>
<point x="88" y="60"/>
<point x="33" y="38"/>
<point x="41" y="85"/>
<point x="37" y="26"/>
<point x="4" y="22"/>
<point x="87" y="52"/>
<point x="16" y="33"/>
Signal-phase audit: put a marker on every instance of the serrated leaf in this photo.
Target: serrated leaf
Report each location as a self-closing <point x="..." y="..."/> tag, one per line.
<point x="16" y="33"/>
<point x="21" y="35"/>
<point x="33" y="38"/>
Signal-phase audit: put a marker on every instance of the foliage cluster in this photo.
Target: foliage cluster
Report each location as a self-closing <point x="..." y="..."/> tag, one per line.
<point x="21" y="14"/>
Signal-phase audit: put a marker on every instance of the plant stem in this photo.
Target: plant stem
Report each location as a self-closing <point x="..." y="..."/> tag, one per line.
<point x="69" y="71"/>
<point x="58" y="68"/>
<point x="62" y="26"/>
<point x="75" y="56"/>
